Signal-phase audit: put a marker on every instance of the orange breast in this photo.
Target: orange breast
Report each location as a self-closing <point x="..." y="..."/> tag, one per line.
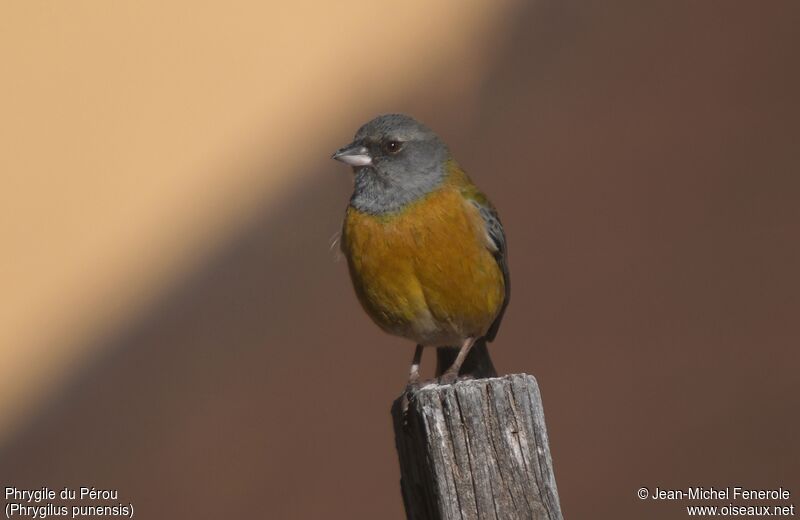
<point x="425" y="273"/>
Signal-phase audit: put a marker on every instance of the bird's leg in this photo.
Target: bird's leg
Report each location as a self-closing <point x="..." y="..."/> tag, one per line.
<point x="413" y="378"/>
<point x="413" y="374"/>
<point x="451" y="374"/>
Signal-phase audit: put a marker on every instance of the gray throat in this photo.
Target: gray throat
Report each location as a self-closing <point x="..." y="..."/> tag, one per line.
<point x="377" y="194"/>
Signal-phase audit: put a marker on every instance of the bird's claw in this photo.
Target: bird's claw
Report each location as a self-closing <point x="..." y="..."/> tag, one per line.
<point x="411" y="388"/>
<point x="448" y="378"/>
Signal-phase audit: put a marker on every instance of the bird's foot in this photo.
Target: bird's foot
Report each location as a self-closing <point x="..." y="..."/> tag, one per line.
<point x="411" y="388"/>
<point x="448" y="378"/>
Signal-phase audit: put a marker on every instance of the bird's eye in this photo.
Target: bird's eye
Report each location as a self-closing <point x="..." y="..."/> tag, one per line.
<point x="392" y="147"/>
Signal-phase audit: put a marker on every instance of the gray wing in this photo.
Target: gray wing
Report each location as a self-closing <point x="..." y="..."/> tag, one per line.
<point x="494" y="229"/>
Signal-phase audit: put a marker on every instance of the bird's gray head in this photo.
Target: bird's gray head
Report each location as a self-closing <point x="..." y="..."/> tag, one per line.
<point x="396" y="160"/>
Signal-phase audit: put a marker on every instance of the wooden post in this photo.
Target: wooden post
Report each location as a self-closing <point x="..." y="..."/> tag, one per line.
<point x="476" y="449"/>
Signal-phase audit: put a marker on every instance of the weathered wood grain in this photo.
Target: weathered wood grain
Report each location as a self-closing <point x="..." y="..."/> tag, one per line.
<point x="477" y="449"/>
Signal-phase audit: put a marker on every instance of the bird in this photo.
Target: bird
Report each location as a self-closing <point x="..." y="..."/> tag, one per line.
<point x="425" y="248"/>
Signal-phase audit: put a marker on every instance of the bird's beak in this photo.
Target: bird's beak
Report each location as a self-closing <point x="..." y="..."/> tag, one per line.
<point x="353" y="154"/>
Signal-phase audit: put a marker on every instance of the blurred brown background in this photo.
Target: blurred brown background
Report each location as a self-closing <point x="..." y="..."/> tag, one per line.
<point x="175" y="327"/>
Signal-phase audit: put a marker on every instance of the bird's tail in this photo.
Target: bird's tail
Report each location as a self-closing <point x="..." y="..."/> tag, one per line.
<point x="478" y="364"/>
